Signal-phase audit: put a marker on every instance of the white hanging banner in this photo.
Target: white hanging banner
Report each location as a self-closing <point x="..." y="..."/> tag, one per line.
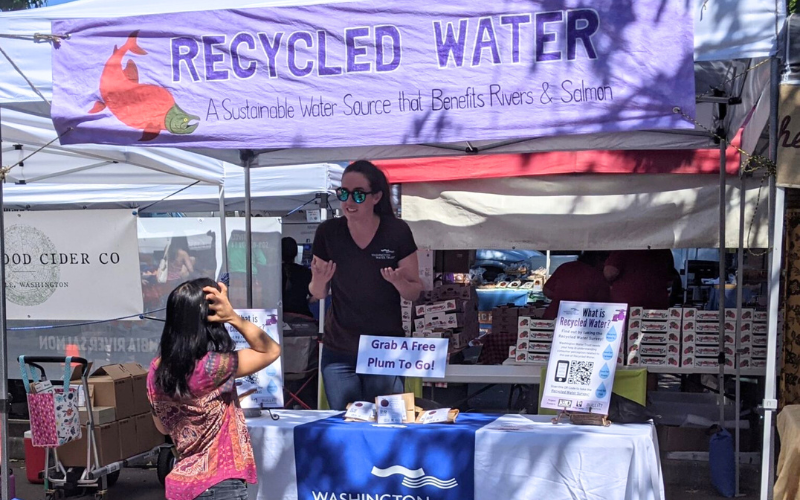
<point x="267" y="383"/>
<point x="583" y="358"/>
<point x="72" y="265"/>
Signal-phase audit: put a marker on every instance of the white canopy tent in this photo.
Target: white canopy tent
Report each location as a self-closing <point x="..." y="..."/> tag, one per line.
<point x="31" y="147"/>
<point x="733" y="39"/>
<point x="277" y="190"/>
<point x="587" y="212"/>
<point x="731" y="36"/>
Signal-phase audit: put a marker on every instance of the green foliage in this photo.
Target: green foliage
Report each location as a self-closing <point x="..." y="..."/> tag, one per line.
<point x="20" y="4"/>
<point x="792" y="6"/>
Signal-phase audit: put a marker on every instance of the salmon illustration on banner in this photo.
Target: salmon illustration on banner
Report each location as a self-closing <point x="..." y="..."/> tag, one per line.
<point x="149" y="108"/>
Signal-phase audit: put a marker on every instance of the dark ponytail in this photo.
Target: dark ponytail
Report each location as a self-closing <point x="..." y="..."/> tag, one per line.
<point x="377" y="182"/>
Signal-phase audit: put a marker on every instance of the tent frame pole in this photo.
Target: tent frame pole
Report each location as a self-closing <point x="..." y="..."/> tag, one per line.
<point x="5" y="403"/>
<point x="223" y="227"/>
<point x="738" y="334"/>
<point x="722" y="275"/>
<point x="247" y="160"/>
<point x="776" y="214"/>
<point x="323" y="216"/>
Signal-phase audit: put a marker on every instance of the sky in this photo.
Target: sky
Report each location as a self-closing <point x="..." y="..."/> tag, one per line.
<point x="50" y="3"/>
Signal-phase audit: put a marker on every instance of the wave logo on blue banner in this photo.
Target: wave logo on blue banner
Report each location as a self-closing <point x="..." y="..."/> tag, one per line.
<point x="415" y="478"/>
<point x="338" y="460"/>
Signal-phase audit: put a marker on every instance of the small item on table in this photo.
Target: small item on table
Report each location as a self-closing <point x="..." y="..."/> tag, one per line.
<point x="580" y="418"/>
<point x="396" y="408"/>
<point x="360" y="411"/>
<point x="438" y="416"/>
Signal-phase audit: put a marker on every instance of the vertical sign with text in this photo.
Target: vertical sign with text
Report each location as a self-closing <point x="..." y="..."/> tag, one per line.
<point x="583" y="358"/>
<point x="268" y="383"/>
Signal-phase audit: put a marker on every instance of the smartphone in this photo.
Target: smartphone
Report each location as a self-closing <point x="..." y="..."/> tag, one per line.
<point x="225" y="279"/>
<point x="561" y="371"/>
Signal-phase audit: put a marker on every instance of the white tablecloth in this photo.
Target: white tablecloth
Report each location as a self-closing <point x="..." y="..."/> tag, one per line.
<point x="516" y="457"/>
<point x="526" y="457"/>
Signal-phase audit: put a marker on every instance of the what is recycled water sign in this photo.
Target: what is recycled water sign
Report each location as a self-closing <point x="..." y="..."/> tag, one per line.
<point x="583" y="358"/>
<point x="403" y="356"/>
<point x="265" y="386"/>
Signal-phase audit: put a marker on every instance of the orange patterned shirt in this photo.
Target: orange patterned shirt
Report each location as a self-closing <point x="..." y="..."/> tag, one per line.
<point x="208" y="429"/>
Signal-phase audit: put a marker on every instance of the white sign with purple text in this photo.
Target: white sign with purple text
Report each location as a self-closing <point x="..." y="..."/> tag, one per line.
<point x="264" y="388"/>
<point x="583" y="357"/>
<point x="403" y="356"/>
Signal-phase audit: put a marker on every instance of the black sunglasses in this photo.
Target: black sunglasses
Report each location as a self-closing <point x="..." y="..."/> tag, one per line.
<point x="359" y="195"/>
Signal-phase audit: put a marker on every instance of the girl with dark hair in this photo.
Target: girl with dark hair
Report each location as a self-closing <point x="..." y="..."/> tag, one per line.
<point x="369" y="259"/>
<point x="192" y="390"/>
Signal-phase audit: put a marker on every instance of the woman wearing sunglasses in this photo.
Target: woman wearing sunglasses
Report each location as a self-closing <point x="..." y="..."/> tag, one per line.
<point x="367" y="261"/>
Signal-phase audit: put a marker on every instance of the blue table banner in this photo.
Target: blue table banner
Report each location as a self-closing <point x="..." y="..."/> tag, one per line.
<point x="338" y="460"/>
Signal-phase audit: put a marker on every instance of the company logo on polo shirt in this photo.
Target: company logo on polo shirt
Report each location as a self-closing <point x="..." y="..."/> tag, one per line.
<point x="384" y="254"/>
<point x="415" y="478"/>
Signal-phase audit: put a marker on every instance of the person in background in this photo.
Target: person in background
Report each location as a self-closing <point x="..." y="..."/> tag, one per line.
<point x="177" y="264"/>
<point x="640" y="278"/>
<point x="369" y="259"/>
<point x="192" y="390"/>
<point x="581" y="280"/>
<point x="296" y="279"/>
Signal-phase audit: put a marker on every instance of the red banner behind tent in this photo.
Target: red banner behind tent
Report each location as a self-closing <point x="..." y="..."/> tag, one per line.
<point x="701" y="161"/>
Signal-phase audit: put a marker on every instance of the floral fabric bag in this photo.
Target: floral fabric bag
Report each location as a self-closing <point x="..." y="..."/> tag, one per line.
<point x="53" y="413"/>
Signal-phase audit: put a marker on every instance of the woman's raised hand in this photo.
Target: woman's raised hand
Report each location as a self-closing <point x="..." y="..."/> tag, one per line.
<point x="220" y="309"/>
<point x="322" y="270"/>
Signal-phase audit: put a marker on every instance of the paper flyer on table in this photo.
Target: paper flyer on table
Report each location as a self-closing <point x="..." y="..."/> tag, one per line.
<point x="583" y="358"/>
<point x="267" y="384"/>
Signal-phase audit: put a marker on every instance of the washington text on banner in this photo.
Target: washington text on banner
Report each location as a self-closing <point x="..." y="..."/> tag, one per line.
<point x="348" y="74"/>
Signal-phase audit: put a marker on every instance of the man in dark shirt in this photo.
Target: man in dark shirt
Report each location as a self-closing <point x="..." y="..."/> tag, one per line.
<point x="640" y="278"/>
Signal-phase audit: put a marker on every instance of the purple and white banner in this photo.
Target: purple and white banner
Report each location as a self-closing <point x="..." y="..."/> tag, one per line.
<point x="367" y="73"/>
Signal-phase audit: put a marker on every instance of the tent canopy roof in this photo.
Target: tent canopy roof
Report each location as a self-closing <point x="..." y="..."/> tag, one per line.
<point x="30" y="143"/>
<point x="728" y="36"/>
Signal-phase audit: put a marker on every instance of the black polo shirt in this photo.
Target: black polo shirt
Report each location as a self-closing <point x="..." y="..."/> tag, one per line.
<point x="362" y="301"/>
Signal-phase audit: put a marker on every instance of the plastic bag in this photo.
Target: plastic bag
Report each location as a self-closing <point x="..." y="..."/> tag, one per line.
<point x="622" y="410"/>
<point x="722" y="463"/>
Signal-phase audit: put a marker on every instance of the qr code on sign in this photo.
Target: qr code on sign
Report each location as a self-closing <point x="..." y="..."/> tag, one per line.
<point x="580" y="372"/>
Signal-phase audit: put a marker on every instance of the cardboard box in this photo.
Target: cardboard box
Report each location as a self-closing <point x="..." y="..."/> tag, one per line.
<point x="128" y="440"/>
<point x="546" y="336"/>
<point x="759" y="340"/>
<point x="760" y="328"/>
<point x="523" y="334"/>
<point x="444" y="306"/>
<point x="512" y="351"/>
<point x="759" y="352"/>
<point x="73" y="454"/>
<point x="419" y="324"/>
<point x="102" y="415"/>
<point x="537" y="357"/>
<point x="760" y="316"/>
<point x="655" y="314"/>
<point x="688" y="338"/>
<point x="659" y="338"/>
<point x="522" y="345"/>
<point x="141" y="403"/>
<point x="711" y="351"/>
<point x="688" y="325"/>
<point x="634" y="324"/>
<point x="113" y="386"/>
<point x="149" y="436"/>
<point x="444" y="320"/>
<point x="522" y="356"/>
<point x="657" y="361"/>
<point x="636" y="312"/>
<point x="539" y="347"/>
<point x="706" y="328"/>
<point x="657" y="350"/>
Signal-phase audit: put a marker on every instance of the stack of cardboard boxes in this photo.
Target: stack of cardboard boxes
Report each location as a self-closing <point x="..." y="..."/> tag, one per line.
<point x="122" y="417"/>
<point x="534" y="339"/>
<point x="448" y="311"/>
<point x="700" y="337"/>
<point x="653" y="337"/>
<point x="758" y="349"/>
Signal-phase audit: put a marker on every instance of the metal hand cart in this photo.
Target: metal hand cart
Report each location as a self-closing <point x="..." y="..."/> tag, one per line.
<point x="60" y="481"/>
